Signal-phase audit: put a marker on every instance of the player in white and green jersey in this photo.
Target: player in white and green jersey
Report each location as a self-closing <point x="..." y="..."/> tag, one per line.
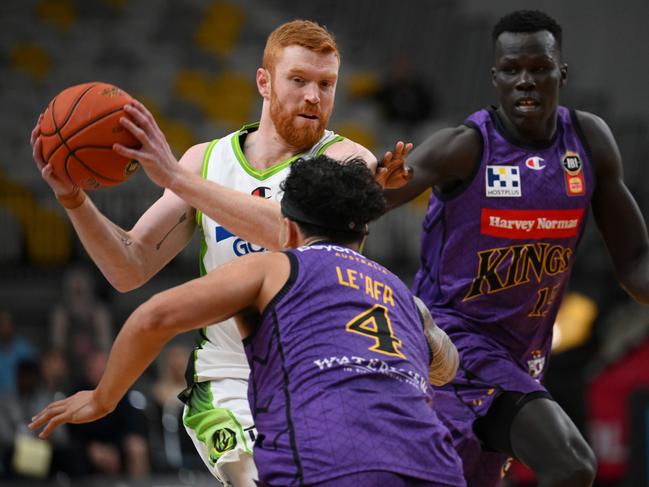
<point x="217" y="416"/>
<point x="297" y="83"/>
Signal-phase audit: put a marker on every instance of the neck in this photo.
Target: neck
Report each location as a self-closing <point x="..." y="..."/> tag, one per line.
<point x="529" y="131"/>
<point x="314" y="240"/>
<point x="264" y="147"/>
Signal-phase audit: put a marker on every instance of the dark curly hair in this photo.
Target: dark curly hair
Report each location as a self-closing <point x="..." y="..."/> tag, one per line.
<point x="331" y="198"/>
<point x="527" y="21"/>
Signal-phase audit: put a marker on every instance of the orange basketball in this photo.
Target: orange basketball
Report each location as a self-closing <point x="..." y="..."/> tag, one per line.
<point x="78" y="130"/>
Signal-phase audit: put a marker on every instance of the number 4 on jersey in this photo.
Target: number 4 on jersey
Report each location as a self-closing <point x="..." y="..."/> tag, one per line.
<point x="375" y="323"/>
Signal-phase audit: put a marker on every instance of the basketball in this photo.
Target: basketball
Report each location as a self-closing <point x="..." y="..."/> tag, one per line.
<point x="78" y="130"/>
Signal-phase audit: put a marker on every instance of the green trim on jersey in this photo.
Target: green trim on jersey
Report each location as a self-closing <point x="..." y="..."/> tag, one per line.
<point x="204" y="166"/>
<point x="266" y="173"/>
<point x="324" y="147"/>
<point x="217" y="428"/>
<point x="203" y="251"/>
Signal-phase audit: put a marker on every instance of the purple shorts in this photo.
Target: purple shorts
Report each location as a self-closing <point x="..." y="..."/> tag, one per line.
<point x="485" y="371"/>
<point x="376" y="478"/>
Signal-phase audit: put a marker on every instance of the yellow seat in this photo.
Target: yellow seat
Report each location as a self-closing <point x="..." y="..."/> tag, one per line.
<point x="59" y="13"/>
<point x="30" y="59"/>
<point x="47" y="234"/>
<point x="227" y="98"/>
<point x="219" y="30"/>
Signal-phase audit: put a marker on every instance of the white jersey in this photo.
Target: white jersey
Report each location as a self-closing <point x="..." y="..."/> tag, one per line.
<point x="220" y="354"/>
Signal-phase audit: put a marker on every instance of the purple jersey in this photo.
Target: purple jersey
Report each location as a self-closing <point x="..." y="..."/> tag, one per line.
<point x="339" y="376"/>
<point x="496" y="256"/>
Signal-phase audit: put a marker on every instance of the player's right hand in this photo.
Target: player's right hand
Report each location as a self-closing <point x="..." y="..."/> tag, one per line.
<point x="82" y="407"/>
<point x="59" y="186"/>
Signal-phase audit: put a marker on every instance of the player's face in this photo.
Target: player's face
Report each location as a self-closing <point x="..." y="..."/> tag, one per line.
<point x="303" y="86"/>
<point x="527" y="76"/>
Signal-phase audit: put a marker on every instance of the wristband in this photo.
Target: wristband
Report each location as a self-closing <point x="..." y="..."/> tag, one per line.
<point x="72" y="200"/>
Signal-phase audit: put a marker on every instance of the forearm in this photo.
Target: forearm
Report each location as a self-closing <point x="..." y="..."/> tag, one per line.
<point x="138" y="343"/>
<point x="251" y="218"/>
<point x="445" y="357"/>
<point x="108" y="245"/>
<point x="635" y="279"/>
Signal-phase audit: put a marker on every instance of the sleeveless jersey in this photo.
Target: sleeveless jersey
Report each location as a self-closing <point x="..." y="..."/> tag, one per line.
<point x="497" y="254"/>
<point x="339" y="376"/>
<point x="220" y="353"/>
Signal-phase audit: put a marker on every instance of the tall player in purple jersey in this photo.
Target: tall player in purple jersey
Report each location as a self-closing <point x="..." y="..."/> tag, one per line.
<point x="340" y="353"/>
<point x="512" y="190"/>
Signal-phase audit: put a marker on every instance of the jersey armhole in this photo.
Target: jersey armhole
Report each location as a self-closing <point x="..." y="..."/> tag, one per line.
<point x="292" y="277"/>
<point x="329" y="143"/>
<point x="458" y="190"/>
<point x="584" y="142"/>
<point x="204" y="167"/>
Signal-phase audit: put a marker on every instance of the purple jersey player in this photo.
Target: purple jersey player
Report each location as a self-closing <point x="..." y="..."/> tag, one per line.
<point x="512" y="189"/>
<point x="340" y="353"/>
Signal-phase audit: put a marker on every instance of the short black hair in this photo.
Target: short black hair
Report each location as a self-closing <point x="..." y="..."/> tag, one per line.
<point x="331" y="198"/>
<point x="527" y="21"/>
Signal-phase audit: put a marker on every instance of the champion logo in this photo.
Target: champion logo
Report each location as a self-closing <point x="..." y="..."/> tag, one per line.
<point x="536" y="163"/>
<point x="262" y="192"/>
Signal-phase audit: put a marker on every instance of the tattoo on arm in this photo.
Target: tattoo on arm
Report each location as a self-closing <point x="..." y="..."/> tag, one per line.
<point x="182" y="218"/>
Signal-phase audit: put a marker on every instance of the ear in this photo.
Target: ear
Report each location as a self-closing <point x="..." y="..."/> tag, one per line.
<point x="263" y="82"/>
<point x="493" y="76"/>
<point x="563" y="69"/>
<point x="292" y="237"/>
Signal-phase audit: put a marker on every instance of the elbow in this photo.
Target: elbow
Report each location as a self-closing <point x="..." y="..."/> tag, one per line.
<point x="126" y="280"/>
<point x="153" y="319"/>
<point x="445" y="365"/>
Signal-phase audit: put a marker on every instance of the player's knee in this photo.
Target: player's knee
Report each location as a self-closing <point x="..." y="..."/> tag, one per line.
<point x="577" y="470"/>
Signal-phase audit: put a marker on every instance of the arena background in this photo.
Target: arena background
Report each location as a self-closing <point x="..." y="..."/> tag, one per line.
<point x="408" y="68"/>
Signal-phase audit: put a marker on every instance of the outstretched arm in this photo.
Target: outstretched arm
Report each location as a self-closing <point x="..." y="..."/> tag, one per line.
<point x="617" y="214"/>
<point x="446" y="360"/>
<point x="186" y="307"/>
<point x="449" y="155"/>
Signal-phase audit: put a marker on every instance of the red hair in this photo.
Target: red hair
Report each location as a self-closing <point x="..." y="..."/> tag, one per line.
<point x="298" y="33"/>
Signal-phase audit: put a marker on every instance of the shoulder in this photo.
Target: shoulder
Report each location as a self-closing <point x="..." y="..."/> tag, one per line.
<point x="346" y="149"/>
<point x="600" y="140"/>
<point x="192" y="159"/>
<point x="592" y="125"/>
<point x="453" y="151"/>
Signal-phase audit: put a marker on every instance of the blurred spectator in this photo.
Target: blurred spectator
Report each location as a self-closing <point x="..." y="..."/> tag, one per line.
<point x="171" y="375"/>
<point x="16" y="411"/>
<point x="116" y="444"/>
<point x="55" y="373"/>
<point x="13" y="349"/>
<point x="405" y="97"/>
<point x="80" y="323"/>
<point x="176" y="449"/>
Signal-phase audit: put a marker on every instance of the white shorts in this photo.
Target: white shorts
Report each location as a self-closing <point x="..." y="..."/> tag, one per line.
<point x="218" y="420"/>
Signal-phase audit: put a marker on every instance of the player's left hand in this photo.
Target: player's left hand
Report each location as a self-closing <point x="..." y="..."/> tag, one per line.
<point x="392" y="172"/>
<point x="82" y="407"/>
<point x="155" y="154"/>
